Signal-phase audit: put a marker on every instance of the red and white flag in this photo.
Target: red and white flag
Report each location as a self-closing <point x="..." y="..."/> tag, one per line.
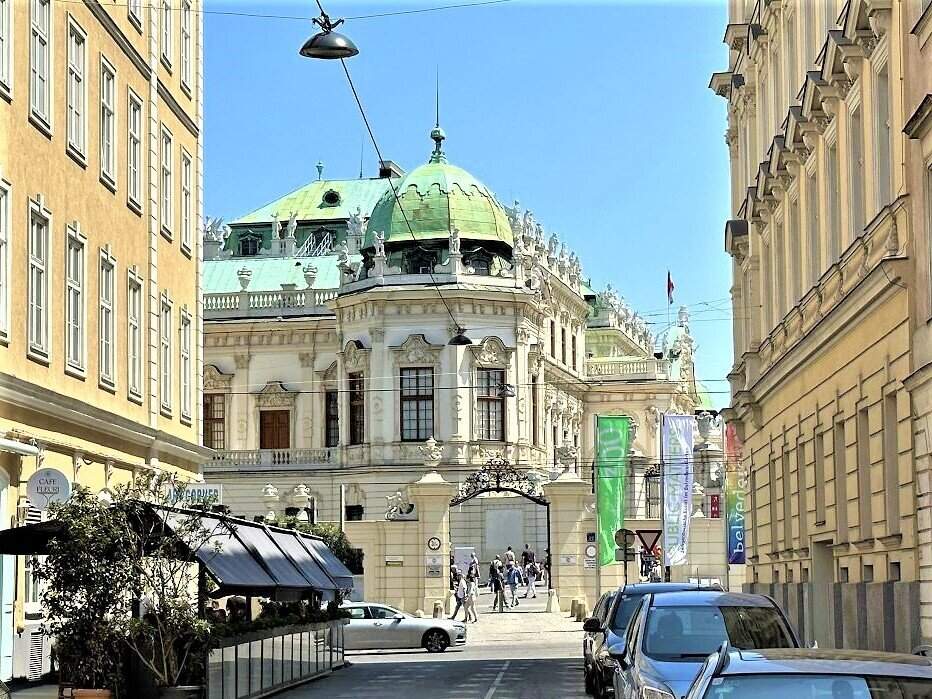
<point x="670" y="288"/>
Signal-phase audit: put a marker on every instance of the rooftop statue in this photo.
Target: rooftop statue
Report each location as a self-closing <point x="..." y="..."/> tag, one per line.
<point x="552" y="245"/>
<point x="342" y="251"/>
<point x="454" y="241"/>
<point x="292" y="224"/>
<point x="276" y="225"/>
<point x="378" y="241"/>
<point x="354" y="224"/>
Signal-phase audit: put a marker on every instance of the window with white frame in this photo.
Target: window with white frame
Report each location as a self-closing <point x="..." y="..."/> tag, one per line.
<point x="134" y="335"/>
<point x="185" y="365"/>
<point x="185" y="43"/>
<point x="166" y="32"/>
<point x="107" y="320"/>
<point x="40" y="87"/>
<point x="856" y="173"/>
<point x="6" y="44"/>
<point x="38" y="282"/>
<point x="813" y="232"/>
<point x="165" y="354"/>
<point x="4" y="260"/>
<point x="882" y="129"/>
<point x="186" y="200"/>
<point x="134" y="7"/>
<point x="417" y="404"/>
<point x="77" y="90"/>
<point x="107" y="122"/>
<point x="74" y="308"/>
<point x="166" y="206"/>
<point x="490" y="404"/>
<point x="134" y="149"/>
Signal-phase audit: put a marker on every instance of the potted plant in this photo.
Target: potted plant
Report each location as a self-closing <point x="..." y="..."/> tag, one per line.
<point x="82" y="575"/>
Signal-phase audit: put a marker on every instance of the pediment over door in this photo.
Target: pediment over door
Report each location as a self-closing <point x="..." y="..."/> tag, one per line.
<point x="275" y="395"/>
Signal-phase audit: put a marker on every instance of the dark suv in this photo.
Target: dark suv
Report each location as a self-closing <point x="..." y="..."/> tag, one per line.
<point x="607" y="626"/>
<point x="671" y="636"/>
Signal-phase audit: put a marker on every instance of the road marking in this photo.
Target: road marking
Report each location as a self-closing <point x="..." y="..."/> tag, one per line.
<point x="498" y="680"/>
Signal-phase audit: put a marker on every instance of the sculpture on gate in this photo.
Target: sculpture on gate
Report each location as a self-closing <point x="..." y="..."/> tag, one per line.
<point x="398" y="507"/>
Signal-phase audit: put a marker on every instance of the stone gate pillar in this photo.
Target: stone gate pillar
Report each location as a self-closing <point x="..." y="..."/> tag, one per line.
<point x="431" y="497"/>
<point x="571" y="580"/>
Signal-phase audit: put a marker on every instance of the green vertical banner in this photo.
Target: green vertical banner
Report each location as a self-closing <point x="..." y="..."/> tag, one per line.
<point x="611" y="468"/>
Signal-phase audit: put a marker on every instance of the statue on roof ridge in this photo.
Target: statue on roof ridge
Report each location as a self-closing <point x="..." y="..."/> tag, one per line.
<point x="292" y="225"/>
<point x="276" y="226"/>
<point x="354" y="224"/>
<point x="454" y="241"/>
<point x="214" y="229"/>
<point x="378" y="241"/>
<point x="552" y="245"/>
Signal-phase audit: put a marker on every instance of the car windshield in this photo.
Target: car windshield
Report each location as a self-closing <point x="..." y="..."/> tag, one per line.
<point x="691" y="633"/>
<point x="818" y="687"/>
<point x="623" y="612"/>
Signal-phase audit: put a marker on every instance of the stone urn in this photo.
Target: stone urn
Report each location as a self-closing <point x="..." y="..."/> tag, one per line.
<point x="310" y="274"/>
<point x="244" y="276"/>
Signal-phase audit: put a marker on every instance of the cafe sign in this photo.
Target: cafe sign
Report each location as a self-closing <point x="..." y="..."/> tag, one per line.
<point x="47" y="485"/>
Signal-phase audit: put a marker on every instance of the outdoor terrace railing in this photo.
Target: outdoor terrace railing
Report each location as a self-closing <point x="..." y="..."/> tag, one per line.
<point x="270" y="458"/>
<point x="655" y="369"/>
<point x="267" y="302"/>
<point x="261" y="663"/>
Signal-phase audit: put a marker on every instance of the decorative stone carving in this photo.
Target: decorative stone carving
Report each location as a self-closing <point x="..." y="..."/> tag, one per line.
<point x="355" y="356"/>
<point x="242" y="360"/>
<point x="292" y="225"/>
<point x="378" y="241"/>
<point x="492" y="351"/>
<point x="432" y="453"/>
<point x="705" y="422"/>
<point x="306" y="359"/>
<point x="244" y="275"/>
<point x="216" y="380"/>
<point x="399" y="508"/>
<point x="330" y="373"/>
<point x="417" y="350"/>
<point x="275" y="395"/>
<point x="454" y="241"/>
<point x="377" y="334"/>
<point x="310" y="274"/>
<point x="354" y="224"/>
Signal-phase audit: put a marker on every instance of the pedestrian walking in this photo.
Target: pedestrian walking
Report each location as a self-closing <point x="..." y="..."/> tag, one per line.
<point x="459" y="593"/>
<point x="531" y="571"/>
<point x="473" y="569"/>
<point x="496" y="584"/>
<point x="527" y="556"/>
<point x="472" y="597"/>
<point x="511" y="578"/>
<point x="547" y="565"/>
<point x="509" y="557"/>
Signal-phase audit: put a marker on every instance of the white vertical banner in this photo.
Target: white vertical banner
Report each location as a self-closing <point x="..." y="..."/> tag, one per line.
<point x="677" y="436"/>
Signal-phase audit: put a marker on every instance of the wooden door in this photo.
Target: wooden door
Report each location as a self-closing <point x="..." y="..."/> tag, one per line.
<point x="274" y="429"/>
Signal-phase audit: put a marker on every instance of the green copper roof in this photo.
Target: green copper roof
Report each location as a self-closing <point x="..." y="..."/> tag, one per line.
<point x="269" y="273"/>
<point x="437" y="197"/>
<point x="309" y="203"/>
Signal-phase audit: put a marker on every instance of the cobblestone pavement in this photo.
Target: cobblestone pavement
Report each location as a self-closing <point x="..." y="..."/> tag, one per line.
<point x="522" y="653"/>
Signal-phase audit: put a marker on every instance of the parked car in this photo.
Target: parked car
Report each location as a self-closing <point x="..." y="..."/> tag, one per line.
<point x="671" y="635"/>
<point x="806" y="673"/>
<point x="607" y="626"/>
<point x="377" y="626"/>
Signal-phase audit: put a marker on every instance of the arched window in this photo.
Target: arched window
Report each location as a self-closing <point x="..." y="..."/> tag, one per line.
<point x="248" y="245"/>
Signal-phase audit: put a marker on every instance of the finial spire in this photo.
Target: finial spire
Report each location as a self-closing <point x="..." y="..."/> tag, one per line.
<point x="437" y="134"/>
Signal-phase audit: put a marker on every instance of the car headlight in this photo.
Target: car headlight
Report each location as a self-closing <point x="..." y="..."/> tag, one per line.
<point x="654" y="693"/>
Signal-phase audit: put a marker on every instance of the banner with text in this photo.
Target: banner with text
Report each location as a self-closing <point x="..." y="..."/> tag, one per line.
<point x="736" y="495"/>
<point x="611" y="467"/>
<point x="677" y="444"/>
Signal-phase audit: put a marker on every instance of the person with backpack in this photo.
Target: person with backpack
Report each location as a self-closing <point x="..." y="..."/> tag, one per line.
<point x="512" y="577"/>
<point x="496" y="584"/>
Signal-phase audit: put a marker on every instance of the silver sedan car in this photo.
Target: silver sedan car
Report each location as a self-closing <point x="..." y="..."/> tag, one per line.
<point x="377" y="626"/>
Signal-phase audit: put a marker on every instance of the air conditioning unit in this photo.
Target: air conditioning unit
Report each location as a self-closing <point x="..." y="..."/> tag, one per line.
<point x="31" y="654"/>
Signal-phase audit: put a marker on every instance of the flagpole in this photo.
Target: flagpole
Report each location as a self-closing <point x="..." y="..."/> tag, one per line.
<point x="595" y="491"/>
<point x="663" y="506"/>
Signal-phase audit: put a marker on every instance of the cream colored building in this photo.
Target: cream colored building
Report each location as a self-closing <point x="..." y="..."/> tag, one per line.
<point x="829" y="241"/>
<point x="100" y="199"/>
<point x="329" y="366"/>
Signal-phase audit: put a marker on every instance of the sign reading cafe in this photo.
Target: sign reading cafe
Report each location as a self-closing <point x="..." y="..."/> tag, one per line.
<point x="47" y="485"/>
<point x="677" y="450"/>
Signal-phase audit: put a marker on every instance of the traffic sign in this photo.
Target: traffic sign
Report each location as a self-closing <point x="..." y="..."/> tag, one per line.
<point x="649" y="538"/>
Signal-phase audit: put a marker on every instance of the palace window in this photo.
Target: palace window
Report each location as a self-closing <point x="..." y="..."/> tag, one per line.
<point x="40" y="89"/>
<point x="134" y="336"/>
<point x="833" y="230"/>
<point x="563" y="345"/>
<point x="856" y="173"/>
<point x="134" y="8"/>
<point x="481" y="264"/>
<point x="812" y="229"/>
<point x="166" y="33"/>
<point x="74" y="308"/>
<point x="535" y="417"/>
<point x="553" y="339"/>
<point x="573" y="347"/>
<point x="167" y="181"/>
<point x="186" y="366"/>
<point x="357" y="409"/>
<point x="332" y="419"/>
<point x="274" y="429"/>
<point x="107" y="123"/>
<point x="417" y="404"/>
<point x="214" y="421"/>
<point x="186" y="43"/>
<point x="4" y="260"/>
<point x="165" y="355"/>
<point x="38" y="282"/>
<point x="884" y="145"/>
<point x="186" y="201"/>
<point x="490" y="406"/>
<point x="6" y="53"/>
<point x="134" y="149"/>
<point x="248" y="245"/>
<point x="76" y="94"/>
<point x="106" y="319"/>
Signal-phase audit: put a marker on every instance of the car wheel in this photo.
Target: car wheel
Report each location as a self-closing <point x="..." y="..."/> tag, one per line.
<point x="436" y="641"/>
<point x="598" y="688"/>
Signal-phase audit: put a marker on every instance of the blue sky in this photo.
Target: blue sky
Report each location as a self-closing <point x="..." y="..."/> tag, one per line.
<point x="595" y="116"/>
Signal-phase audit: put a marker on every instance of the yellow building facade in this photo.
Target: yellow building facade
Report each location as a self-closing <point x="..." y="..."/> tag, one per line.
<point x="100" y="208"/>
<point x="826" y="227"/>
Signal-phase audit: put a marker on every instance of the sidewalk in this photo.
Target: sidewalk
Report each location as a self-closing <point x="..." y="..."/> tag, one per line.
<point x="521" y="623"/>
<point x="46" y="691"/>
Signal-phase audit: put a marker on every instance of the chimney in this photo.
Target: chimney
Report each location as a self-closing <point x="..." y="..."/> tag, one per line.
<point x="389" y="168"/>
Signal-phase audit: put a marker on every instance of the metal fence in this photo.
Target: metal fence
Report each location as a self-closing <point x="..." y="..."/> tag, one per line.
<point x="261" y="663"/>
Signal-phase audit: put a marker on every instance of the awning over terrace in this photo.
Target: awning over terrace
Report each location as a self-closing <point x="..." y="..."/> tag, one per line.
<point x="241" y="557"/>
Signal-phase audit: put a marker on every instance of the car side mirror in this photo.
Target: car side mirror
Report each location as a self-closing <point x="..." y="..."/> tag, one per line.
<point x="619" y="654"/>
<point x="592" y="625"/>
<point x="398" y="617"/>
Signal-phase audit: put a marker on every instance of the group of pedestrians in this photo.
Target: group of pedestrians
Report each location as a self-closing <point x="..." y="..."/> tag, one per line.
<point x="506" y="575"/>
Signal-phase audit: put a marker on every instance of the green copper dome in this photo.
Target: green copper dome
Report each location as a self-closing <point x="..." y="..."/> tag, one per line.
<point x="437" y="197"/>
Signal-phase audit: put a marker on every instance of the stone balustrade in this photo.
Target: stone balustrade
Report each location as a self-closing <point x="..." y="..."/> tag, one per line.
<point x="270" y="459"/>
<point x="649" y="369"/>
<point x="267" y="303"/>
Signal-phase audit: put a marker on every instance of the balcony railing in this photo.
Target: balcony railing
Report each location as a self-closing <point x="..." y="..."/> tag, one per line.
<point x="270" y="459"/>
<point x="266" y="303"/>
<point x="628" y="368"/>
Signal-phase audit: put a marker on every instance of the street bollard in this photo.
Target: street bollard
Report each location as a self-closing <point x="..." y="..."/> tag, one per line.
<point x="438" y="610"/>
<point x="553" y="602"/>
<point x="581" y="612"/>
